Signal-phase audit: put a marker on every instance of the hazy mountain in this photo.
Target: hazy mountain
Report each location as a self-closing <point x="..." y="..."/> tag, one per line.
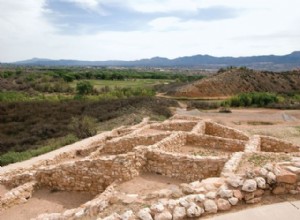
<point x="267" y="62"/>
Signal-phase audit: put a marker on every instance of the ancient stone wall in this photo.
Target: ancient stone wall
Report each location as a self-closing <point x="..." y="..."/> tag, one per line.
<point x="17" y="195"/>
<point x="199" y="128"/>
<point x="215" y="129"/>
<point x="174" y="126"/>
<point x="217" y="143"/>
<point x="172" y="143"/>
<point x="270" y="144"/>
<point x="188" y="168"/>
<point x="126" y="144"/>
<point x="91" y="175"/>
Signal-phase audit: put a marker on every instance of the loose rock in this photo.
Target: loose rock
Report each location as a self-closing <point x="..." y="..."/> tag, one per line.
<point x="194" y="211"/>
<point x="179" y="213"/>
<point x="249" y="185"/>
<point x="144" y="214"/>
<point x="210" y="206"/>
<point x="223" y="204"/>
<point x="166" y="215"/>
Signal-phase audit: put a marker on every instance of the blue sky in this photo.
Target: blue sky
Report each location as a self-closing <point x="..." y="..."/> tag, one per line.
<point x="135" y="29"/>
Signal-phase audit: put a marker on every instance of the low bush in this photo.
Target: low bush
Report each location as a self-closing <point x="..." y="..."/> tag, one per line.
<point x="256" y="99"/>
<point x="27" y="125"/>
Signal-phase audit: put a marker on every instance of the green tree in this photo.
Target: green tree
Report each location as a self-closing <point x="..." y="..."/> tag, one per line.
<point x="84" y="87"/>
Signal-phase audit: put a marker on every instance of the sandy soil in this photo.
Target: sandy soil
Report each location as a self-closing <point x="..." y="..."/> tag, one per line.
<point x="147" y="183"/>
<point x="284" y="124"/>
<point x="46" y="201"/>
<point x="202" y="151"/>
<point x="3" y="190"/>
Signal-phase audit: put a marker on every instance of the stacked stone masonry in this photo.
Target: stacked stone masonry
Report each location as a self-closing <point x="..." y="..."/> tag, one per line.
<point x="105" y="161"/>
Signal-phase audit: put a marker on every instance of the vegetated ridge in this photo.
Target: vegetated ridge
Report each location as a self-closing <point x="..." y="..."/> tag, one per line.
<point x="266" y="62"/>
<point x="239" y="80"/>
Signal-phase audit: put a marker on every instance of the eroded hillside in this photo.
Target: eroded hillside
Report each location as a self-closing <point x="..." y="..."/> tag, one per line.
<point x="236" y="81"/>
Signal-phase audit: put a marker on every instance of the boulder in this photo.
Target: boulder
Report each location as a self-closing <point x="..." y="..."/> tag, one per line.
<point x="271" y="178"/>
<point x="223" y="204"/>
<point x="238" y="194"/>
<point x="210" y="206"/>
<point x="279" y="190"/>
<point x="128" y="215"/>
<point x="183" y="202"/>
<point x="211" y="195"/>
<point x="261" y="182"/>
<point x="284" y="176"/>
<point x="199" y="198"/>
<point x="234" y="181"/>
<point x="194" y="210"/>
<point x="249" y="185"/>
<point x="144" y="214"/>
<point x="179" y="213"/>
<point x="263" y="172"/>
<point x="114" y="216"/>
<point x="165" y="215"/>
<point x="225" y="193"/>
<point x="172" y="203"/>
<point x="157" y="207"/>
<point x="258" y="193"/>
<point x="233" y="201"/>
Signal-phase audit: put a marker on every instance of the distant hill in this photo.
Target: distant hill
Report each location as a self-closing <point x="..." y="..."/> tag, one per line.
<point x="236" y="81"/>
<point x="268" y="62"/>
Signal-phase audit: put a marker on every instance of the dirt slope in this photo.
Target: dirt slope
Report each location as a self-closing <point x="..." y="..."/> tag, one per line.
<point x="237" y="81"/>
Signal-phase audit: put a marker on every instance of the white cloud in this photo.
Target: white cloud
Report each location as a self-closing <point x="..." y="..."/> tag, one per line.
<point x="265" y="27"/>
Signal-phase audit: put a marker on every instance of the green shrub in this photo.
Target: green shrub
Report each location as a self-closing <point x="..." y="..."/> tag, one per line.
<point x="84" y="88"/>
<point x="257" y="99"/>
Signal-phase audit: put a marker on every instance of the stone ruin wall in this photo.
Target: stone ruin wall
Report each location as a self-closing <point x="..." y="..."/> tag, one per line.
<point x="217" y="143"/>
<point x="183" y="167"/>
<point x="270" y="144"/>
<point x="91" y="175"/>
<point x="172" y="143"/>
<point x="174" y="126"/>
<point x="215" y="129"/>
<point x="99" y="173"/>
<point x="126" y="144"/>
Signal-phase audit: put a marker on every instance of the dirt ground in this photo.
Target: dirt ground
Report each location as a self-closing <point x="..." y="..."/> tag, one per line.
<point x="202" y="151"/>
<point x="147" y="183"/>
<point x="284" y="124"/>
<point x="46" y="201"/>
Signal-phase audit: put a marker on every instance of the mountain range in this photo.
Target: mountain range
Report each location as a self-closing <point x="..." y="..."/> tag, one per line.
<point x="265" y="62"/>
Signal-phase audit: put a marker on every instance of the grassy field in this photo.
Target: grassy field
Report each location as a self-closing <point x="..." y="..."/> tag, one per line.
<point x="133" y="83"/>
